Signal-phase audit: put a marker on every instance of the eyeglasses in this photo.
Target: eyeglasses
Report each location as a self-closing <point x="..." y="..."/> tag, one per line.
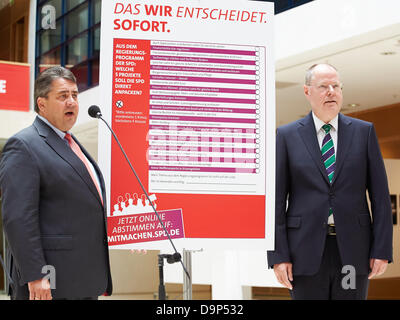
<point x="337" y="87"/>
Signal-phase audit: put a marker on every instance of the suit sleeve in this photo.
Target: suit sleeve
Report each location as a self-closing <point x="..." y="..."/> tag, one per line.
<point x="378" y="191"/>
<point x="20" y="187"/>
<point x="281" y="252"/>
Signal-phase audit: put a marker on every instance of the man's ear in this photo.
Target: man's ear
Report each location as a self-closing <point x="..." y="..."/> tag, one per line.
<point x="40" y="103"/>
<point x="306" y="90"/>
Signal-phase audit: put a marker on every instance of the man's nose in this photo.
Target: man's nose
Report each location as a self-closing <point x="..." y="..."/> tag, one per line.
<point x="70" y="99"/>
<point x="331" y="90"/>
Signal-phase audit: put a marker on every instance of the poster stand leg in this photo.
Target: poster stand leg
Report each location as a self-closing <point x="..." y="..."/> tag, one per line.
<point x="187" y="281"/>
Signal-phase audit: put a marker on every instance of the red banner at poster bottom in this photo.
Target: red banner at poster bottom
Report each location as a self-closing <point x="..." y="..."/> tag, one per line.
<point x="125" y="229"/>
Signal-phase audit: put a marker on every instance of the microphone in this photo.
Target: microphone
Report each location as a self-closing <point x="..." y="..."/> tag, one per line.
<point x="94" y="112"/>
<point x="172" y="258"/>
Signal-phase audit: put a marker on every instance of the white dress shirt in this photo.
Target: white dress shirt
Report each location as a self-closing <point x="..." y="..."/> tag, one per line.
<point x="321" y="132"/>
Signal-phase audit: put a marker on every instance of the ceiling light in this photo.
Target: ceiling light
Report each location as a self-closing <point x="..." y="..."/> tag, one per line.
<point x="388" y="53"/>
<point x="353" y="105"/>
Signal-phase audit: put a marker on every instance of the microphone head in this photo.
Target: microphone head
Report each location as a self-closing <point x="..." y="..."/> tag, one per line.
<point x="94" y="111"/>
<point x="174" y="257"/>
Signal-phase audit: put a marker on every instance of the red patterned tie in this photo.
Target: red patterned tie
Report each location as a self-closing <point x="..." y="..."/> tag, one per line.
<point x="75" y="148"/>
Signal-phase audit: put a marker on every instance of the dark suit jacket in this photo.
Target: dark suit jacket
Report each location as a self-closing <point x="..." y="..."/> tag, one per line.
<point x="304" y="196"/>
<point x="53" y="215"/>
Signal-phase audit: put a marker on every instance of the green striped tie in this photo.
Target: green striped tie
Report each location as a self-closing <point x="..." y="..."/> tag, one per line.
<point x="328" y="155"/>
<point x="328" y="152"/>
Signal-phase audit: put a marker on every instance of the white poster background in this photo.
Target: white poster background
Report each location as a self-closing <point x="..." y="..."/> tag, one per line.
<point x="194" y="30"/>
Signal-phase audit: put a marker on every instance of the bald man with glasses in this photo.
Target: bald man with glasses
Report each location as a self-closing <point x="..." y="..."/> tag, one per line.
<point x="327" y="242"/>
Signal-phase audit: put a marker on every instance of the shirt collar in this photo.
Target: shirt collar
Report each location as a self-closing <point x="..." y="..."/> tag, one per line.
<point x="60" y="133"/>
<point x="319" y="123"/>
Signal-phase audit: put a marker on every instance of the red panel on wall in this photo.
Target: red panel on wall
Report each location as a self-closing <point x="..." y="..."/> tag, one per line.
<point x="14" y="86"/>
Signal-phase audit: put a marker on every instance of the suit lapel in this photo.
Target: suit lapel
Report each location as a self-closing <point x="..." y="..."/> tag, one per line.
<point x="307" y="132"/>
<point x="345" y="136"/>
<point x="66" y="153"/>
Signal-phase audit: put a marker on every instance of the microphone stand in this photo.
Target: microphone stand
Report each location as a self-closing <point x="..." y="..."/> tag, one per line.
<point x="170" y="258"/>
<point x="161" y="286"/>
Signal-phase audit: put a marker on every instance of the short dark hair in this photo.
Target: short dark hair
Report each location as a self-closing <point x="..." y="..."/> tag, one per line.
<point x="43" y="83"/>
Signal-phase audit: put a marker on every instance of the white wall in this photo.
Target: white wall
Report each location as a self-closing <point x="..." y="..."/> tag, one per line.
<point x="86" y="99"/>
<point x="13" y="121"/>
<point x="305" y="32"/>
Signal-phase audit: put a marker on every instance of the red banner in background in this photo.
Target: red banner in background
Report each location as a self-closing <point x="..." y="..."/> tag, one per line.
<point x="14" y="86"/>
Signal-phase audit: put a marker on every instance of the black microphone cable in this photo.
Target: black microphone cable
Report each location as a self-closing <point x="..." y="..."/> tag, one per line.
<point x="94" y="112"/>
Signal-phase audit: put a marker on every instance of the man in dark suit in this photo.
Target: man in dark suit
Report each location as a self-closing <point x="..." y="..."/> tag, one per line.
<point x="53" y="198"/>
<point x="326" y="246"/>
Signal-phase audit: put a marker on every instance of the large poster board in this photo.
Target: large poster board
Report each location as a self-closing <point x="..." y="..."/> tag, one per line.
<point x="188" y="87"/>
